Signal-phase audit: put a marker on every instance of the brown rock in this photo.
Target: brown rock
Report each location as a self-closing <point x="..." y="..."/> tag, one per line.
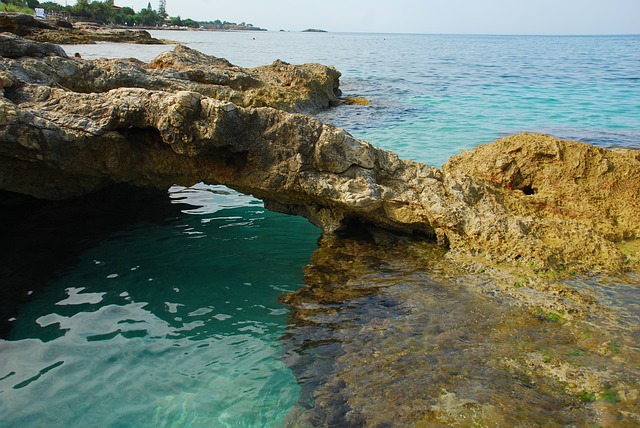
<point x="71" y="127"/>
<point x="63" y="32"/>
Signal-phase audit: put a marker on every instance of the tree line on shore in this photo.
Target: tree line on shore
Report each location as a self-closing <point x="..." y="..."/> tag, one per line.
<point x="105" y="12"/>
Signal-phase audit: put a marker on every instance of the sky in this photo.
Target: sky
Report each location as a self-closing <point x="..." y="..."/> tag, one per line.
<point x="415" y="16"/>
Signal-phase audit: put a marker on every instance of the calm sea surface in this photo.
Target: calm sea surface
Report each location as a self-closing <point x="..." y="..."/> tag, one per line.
<point x="176" y="322"/>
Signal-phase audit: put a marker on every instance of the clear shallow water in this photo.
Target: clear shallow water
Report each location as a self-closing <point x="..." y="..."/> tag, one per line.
<point x="171" y="324"/>
<point x="177" y="323"/>
<point x="399" y="337"/>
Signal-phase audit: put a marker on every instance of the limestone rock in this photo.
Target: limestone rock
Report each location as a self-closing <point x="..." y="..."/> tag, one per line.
<point x="182" y="69"/>
<point x="22" y="24"/>
<point x="551" y="177"/>
<point x="561" y="202"/>
<point x="69" y="127"/>
<point x="12" y="46"/>
<point x="307" y="87"/>
<point x="63" y="32"/>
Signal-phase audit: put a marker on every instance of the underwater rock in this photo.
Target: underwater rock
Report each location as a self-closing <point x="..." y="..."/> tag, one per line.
<point x="387" y="331"/>
<point x="71" y="127"/>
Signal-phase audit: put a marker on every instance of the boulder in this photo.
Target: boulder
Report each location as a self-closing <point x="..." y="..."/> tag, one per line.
<point x="12" y="46"/>
<point x="552" y="202"/>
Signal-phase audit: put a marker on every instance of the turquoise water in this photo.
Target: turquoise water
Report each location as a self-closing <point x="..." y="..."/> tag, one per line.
<point x="176" y="322"/>
<point x="435" y="95"/>
<point x="170" y="324"/>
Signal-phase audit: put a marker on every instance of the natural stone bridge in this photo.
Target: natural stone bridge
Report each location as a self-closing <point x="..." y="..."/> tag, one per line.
<point x="71" y="127"/>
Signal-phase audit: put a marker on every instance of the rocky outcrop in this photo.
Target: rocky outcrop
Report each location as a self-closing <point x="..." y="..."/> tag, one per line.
<point x="287" y="87"/>
<point x="562" y="202"/>
<point x="24" y="25"/>
<point x="15" y="47"/>
<point x="69" y="128"/>
<point x="298" y="88"/>
<point x="64" y="32"/>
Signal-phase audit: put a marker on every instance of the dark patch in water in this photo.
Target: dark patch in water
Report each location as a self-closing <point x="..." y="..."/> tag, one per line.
<point x="40" y="239"/>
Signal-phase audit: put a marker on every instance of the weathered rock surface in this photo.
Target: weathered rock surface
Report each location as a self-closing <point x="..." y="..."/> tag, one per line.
<point x="294" y="88"/>
<point x="16" y="47"/>
<point x="69" y="128"/>
<point x="63" y="32"/>
<point x="565" y="202"/>
<point x="24" y="25"/>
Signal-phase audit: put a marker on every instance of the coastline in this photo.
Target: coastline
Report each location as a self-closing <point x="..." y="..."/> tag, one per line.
<point x="550" y="305"/>
<point x="63" y="32"/>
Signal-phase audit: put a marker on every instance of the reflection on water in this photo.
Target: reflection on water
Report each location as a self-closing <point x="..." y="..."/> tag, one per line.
<point x="163" y="324"/>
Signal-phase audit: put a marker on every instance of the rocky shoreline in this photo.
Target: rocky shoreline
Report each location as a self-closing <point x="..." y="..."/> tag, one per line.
<point x="514" y="221"/>
<point x="63" y="32"/>
<point x="71" y="127"/>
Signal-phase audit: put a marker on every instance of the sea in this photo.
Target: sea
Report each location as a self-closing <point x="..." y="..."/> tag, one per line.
<point x="164" y="310"/>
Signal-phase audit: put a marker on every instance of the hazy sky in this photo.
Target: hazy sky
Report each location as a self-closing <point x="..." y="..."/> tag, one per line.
<point x="416" y="16"/>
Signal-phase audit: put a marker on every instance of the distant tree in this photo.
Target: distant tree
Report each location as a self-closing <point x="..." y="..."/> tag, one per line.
<point x="149" y="17"/>
<point x="162" y="9"/>
<point x="125" y="16"/>
<point x="102" y="12"/>
<point x="81" y="8"/>
<point x="129" y="20"/>
<point x="190" y="23"/>
<point x="52" y="6"/>
<point x="18" y="6"/>
<point x="32" y="4"/>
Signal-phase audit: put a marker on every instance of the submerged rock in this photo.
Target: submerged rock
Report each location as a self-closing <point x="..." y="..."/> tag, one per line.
<point x="70" y="127"/>
<point x="389" y="332"/>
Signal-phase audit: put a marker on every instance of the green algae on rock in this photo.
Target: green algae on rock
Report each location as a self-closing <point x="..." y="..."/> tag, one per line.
<point x="358" y="101"/>
<point x="391" y="332"/>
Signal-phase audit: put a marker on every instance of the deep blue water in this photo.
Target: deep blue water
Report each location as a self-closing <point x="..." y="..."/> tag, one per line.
<point x="177" y="323"/>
